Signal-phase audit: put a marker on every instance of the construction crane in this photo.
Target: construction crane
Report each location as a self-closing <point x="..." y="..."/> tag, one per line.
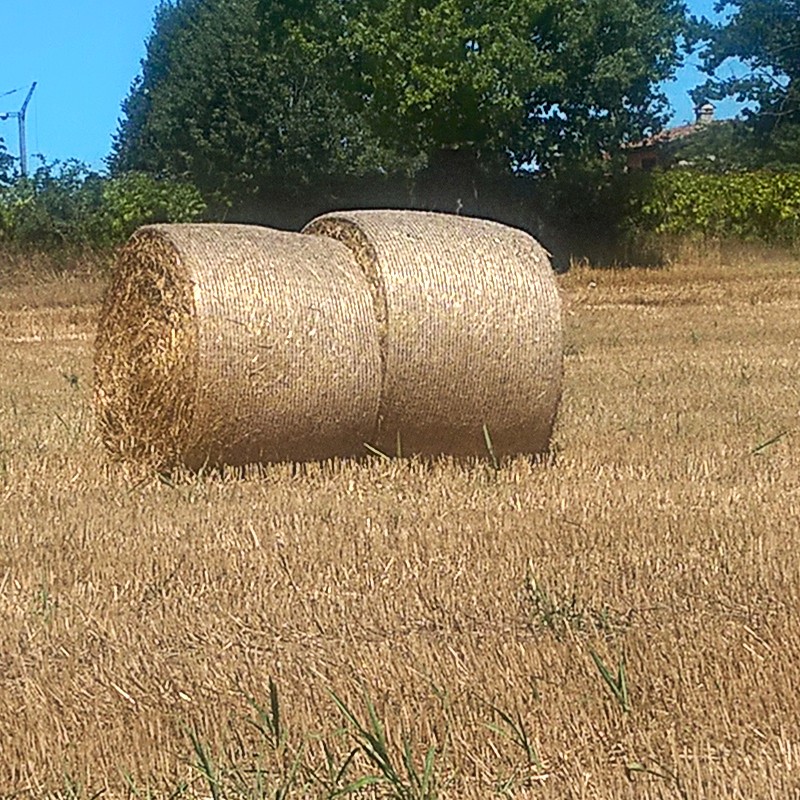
<point x="20" y="115"/>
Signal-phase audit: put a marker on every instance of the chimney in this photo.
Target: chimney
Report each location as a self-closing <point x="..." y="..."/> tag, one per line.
<point x="704" y="114"/>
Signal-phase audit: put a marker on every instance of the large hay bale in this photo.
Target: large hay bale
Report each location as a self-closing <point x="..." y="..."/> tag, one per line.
<point x="470" y="327"/>
<point x="232" y="344"/>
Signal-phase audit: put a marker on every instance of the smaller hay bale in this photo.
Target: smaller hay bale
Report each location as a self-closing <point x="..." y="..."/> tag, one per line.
<point x="469" y="320"/>
<point x="235" y="344"/>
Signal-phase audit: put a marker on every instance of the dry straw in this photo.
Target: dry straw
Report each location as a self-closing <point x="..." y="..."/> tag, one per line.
<point x="470" y="329"/>
<point x="235" y="344"/>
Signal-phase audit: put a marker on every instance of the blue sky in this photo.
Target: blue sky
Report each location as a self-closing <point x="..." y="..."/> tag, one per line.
<point x="83" y="54"/>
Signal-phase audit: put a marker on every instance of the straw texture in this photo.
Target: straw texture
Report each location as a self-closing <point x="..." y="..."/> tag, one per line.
<point x="232" y="344"/>
<point x="469" y="323"/>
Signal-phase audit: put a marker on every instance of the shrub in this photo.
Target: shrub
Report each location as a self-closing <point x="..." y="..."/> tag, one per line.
<point x="135" y="198"/>
<point x="68" y="205"/>
<point x="762" y="206"/>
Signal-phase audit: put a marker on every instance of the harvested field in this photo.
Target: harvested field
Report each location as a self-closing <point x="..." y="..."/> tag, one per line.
<point x="617" y="621"/>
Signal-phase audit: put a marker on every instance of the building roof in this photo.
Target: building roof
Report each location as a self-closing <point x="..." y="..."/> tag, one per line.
<point x="665" y="136"/>
<point x="705" y="115"/>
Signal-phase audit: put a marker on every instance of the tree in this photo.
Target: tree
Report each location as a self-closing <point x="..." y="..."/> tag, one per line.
<point x="765" y="36"/>
<point x="240" y="94"/>
<point x="519" y="81"/>
<point x="214" y="105"/>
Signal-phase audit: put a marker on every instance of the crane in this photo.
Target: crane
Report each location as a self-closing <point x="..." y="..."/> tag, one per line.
<point x="20" y="115"/>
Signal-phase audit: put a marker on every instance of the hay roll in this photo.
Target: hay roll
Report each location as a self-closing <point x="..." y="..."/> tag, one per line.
<point x="470" y="327"/>
<point x="232" y="344"/>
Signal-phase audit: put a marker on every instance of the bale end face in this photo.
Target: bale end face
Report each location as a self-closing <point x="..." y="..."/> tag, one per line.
<point x="145" y="354"/>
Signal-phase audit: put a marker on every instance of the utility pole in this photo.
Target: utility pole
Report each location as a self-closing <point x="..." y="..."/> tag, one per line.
<point x="20" y="115"/>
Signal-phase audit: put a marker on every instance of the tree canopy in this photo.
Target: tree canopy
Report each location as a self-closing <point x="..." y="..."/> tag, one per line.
<point x="213" y="105"/>
<point x="765" y="36"/>
<point x="236" y="94"/>
<point x="521" y="81"/>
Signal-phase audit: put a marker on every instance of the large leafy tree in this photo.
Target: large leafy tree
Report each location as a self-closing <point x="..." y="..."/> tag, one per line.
<point x="522" y="81"/>
<point x="241" y="94"/>
<point x="215" y="105"/>
<point x="764" y="35"/>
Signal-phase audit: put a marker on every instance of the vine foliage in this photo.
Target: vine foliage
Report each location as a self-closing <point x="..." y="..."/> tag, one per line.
<point x="759" y="206"/>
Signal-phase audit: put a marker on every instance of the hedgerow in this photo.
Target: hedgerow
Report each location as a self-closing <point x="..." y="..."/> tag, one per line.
<point x="67" y="205"/>
<point x="763" y="206"/>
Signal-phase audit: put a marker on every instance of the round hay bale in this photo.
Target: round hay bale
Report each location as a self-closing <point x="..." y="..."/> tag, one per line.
<point x="234" y="344"/>
<point x="469" y="320"/>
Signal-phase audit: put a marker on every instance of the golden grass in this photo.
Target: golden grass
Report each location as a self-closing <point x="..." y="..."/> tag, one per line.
<point x="659" y="543"/>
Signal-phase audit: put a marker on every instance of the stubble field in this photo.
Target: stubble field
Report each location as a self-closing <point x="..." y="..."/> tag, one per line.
<point x="620" y="620"/>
